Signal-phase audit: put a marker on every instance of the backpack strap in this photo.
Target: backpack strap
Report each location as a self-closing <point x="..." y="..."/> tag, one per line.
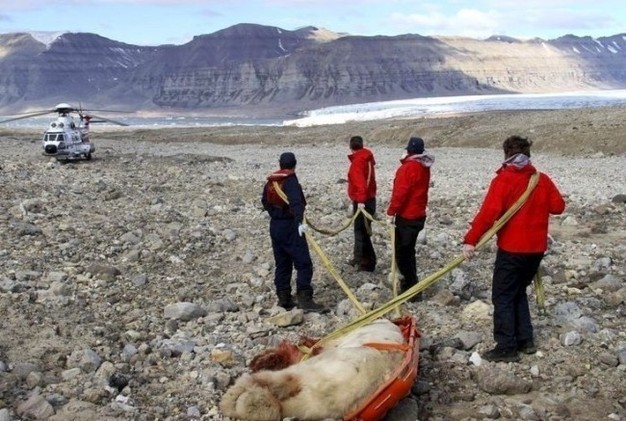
<point x="280" y="191"/>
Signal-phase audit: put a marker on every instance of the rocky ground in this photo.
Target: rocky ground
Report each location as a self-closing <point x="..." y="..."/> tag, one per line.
<point x="136" y="286"/>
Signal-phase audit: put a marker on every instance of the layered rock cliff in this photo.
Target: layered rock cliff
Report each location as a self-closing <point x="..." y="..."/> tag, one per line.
<point x="270" y="70"/>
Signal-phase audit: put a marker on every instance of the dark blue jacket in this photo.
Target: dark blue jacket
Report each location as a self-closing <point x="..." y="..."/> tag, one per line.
<point x="289" y="184"/>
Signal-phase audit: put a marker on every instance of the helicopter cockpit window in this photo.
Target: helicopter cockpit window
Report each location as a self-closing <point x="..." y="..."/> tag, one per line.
<point x="52" y="137"/>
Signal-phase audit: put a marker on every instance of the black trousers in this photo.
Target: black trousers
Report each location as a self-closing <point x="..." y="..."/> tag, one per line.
<point x="406" y="233"/>
<point x="512" y="274"/>
<point x="364" y="254"/>
<point x="290" y="251"/>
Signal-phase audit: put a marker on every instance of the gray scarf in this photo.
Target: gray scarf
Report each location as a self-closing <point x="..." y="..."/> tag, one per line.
<point x="519" y="161"/>
<point x="426" y="159"/>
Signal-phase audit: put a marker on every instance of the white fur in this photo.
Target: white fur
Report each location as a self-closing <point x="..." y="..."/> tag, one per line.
<point x="327" y="385"/>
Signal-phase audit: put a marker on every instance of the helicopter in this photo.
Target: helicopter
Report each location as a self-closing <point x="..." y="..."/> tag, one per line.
<point x="65" y="138"/>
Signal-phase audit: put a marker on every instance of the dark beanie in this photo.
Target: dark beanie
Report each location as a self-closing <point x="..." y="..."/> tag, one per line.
<point x="356" y="143"/>
<point x="416" y="145"/>
<point x="287" y="160"/>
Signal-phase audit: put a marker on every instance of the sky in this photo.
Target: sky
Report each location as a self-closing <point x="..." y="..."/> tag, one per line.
<point x="156" y="22"/>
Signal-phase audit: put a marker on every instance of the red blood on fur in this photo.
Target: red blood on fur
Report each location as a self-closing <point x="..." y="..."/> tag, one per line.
<point x="308" y="342"/>
<point x="278" y="358"/>
<point x="349" y="379"/>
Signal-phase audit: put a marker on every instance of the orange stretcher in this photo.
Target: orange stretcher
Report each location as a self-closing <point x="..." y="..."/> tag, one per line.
<point x="399" y="384"/>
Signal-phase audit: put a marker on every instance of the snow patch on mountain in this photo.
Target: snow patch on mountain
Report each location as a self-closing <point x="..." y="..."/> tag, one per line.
<point x="47" y="37"/>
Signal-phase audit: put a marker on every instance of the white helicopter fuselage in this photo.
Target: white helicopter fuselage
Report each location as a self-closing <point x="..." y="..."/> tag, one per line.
<point x="64" y="139"/>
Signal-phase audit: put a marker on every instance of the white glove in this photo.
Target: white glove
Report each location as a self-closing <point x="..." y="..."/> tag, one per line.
<point x="361" y="206"/>
<point x="468" y="251"/>
<point x="391" y="219"/>
<point x="302" y="228"/>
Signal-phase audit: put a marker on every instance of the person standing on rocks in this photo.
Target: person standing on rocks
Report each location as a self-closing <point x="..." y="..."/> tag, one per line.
<point x="522" y="242"/>
<point x="362" y="192"/>
<point x="407" y="207"/>
<point x="284" y="201"/>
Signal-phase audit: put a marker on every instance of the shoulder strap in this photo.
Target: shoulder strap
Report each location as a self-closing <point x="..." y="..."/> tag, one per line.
<point x="280" y="191"/>
<point x="532" y="183"/>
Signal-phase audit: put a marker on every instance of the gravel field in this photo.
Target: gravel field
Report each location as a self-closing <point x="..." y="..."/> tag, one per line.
<point x="138" y="285"/>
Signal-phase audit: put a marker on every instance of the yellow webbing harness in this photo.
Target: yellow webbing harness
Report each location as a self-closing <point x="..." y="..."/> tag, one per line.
<point x="395" y="302"/>
<point x="429" y="280"/>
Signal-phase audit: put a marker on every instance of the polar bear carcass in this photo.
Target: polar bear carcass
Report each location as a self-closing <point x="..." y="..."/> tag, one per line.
<point x="327" y="385"/>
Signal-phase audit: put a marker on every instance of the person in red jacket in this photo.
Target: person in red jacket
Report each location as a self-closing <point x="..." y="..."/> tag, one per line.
<point x="362" y="192"/>
<point x="522" y="242"/>
<point x="407" y="207"/>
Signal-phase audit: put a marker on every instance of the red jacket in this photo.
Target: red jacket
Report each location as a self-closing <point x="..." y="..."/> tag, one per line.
<point x="409" y="196"/>
<point x="527" y="230"/>
<point x="361" y="176"/>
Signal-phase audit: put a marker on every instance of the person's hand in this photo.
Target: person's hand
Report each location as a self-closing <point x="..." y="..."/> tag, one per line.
<point x="301" y="229"/>
<point x="391" y="219"/>
<point x="468" y="251"/>
<point x="360" y="206"/>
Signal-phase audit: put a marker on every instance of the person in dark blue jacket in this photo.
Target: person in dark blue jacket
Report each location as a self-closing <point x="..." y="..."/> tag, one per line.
<point x="284" y="201"/>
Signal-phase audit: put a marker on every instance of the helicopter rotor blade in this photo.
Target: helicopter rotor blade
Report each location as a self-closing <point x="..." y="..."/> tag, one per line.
<point x="110" y="111"/>
<point x="107" y="120"/>
<point x="35" y="114"/>
<point x="65" y="109"/>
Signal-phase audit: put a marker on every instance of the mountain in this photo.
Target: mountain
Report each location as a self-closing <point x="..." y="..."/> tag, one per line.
<point x="261" y="70"/>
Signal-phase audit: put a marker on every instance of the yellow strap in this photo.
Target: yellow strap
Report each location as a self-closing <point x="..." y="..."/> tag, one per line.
<point x="368" y="225"/>
<point x="350" y="221"/>
<point x="280" y="191"/>
<point x="332" y="232"/>
<point x="540" y="292"/>
<point x="325" y="260"/>
<point x="306" y="351"/>
<point x="394" y="268"/>
<point x="431" y="279"/>
<point x="420" y="286"/>
<point x="393" y="346"/>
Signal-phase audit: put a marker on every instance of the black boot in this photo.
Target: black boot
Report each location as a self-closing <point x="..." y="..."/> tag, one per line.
<point x="285" y="300"/>
<point x="405" y="286"/>
<point x="306" y="303"/>
<point x="367" y="265"/>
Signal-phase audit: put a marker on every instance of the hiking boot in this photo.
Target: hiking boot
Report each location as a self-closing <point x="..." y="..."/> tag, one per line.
<point x="367" y="264"/>
<point x="416" y="298"/>
<point x="501" y="355"/>
<point x="353" y="262"/>
<point x="406" y="285"/>
<point x="285" y="300"/>
<point x="527" y="347"/>
<point x="366" y="268"/>
<point x="306" y="303"/>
